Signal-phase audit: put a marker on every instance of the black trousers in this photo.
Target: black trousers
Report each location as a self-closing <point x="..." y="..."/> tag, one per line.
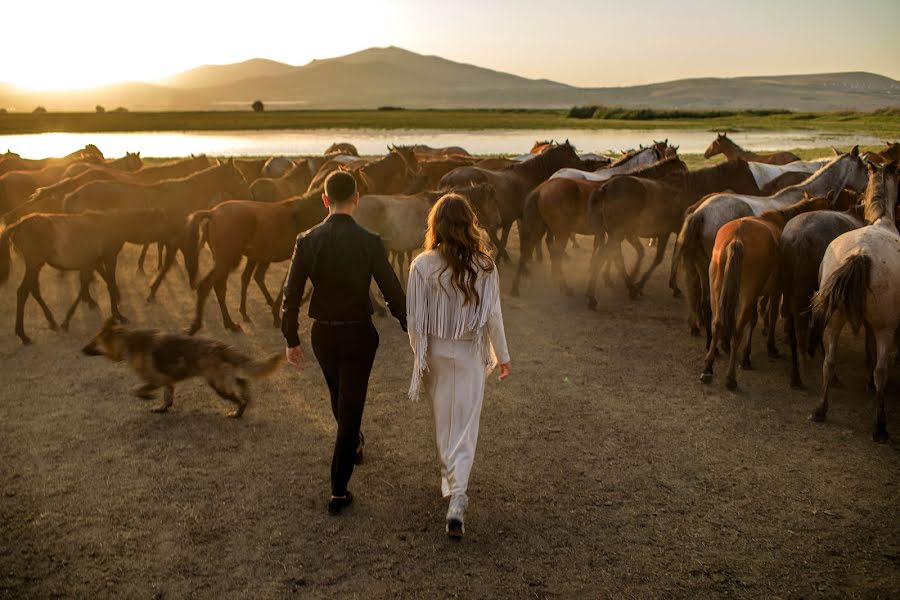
<point x="345" y="354"/>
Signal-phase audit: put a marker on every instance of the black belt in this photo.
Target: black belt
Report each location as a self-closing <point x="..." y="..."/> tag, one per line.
<point x="340" y="323"/>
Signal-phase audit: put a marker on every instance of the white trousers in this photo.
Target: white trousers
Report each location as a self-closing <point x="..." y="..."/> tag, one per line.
<point x="455" y="383"/>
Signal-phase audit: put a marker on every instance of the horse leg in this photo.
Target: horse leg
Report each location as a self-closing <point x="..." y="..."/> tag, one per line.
<point x="657" y="259"/>
<point x="772" y="320"/>
<point x="159" y="256"/>
<point x="539" y="248"/>
<point x="884" y="340"/>
<point x="220" y="286"/>
<point x="706" y="309"/>
<point x="790" y="327"/>
<point x="597" y="259"/>
<point x="871" y="354"/>
<point x="21" y="298"/>
<point x="707" y="375"/>
<point x="829" y="341"/>
<point x="639" y="248"/>
<point x="203" y="289"/>
<point x="746" y="320"/>
<point x="607" y="268"/>
<point x="502" y="254"/>
<point x="85" y="277"/>
<point x="673" y="270"/>
<point x="108" y="273"/>
<point x="745" y="360"/>
<point x="245" y="282"/>
<point x="692" y="281"/>
<point x="557" y="250"/>
<point x="36" y="293"/>
<point x="764" y="311"/>
<point x="171" y="254"/>
<point x="259" y="276"/>
<point x="142" y="257"/>
<point x="614" y="245"/>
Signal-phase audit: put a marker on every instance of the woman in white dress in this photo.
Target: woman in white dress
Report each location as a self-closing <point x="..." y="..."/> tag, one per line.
<point x="456" y="333"/>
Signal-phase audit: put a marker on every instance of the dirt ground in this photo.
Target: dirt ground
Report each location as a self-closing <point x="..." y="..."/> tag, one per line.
<point x="604" y="468"/>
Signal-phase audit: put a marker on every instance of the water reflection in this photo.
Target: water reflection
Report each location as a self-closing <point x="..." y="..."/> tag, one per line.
<point x="374" y="141"/>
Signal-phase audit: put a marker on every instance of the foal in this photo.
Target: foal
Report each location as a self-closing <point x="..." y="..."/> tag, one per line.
<point x="744" y="267"/>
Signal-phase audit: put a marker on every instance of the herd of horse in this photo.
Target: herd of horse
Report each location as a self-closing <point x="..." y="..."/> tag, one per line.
<point x="815" y="242"/>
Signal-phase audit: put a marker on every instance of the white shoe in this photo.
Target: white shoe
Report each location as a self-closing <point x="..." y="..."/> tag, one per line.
<point x="456" y="515"/>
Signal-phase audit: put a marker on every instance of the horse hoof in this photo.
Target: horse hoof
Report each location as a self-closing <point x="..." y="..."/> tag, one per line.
<point x="817" y="416"/>
<point x="121" y="319"/>
<point x="731" y="383"/>
<point x="151" y="299"/>
<point x="53" y="327"/>
<point x="246" y="318"/>
<point x="235" y="414"/>
<point x="706" y="377"/>
<point x="26" y="341"/>
<point x="880" y="435"/>
<point x="159" y="409"/>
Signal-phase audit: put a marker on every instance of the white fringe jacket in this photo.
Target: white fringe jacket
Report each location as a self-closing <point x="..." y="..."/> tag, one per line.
<point x="434" y="307"/>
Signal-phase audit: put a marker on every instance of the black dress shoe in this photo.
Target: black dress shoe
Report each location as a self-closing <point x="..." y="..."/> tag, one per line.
<point x="338" y="503"/>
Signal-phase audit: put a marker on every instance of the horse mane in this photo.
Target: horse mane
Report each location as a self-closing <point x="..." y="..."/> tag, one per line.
<point x="628" y="156"/>
<point x="878" y="202"/>
<point x="650" y="171"/>
<point x="543" y="165"/>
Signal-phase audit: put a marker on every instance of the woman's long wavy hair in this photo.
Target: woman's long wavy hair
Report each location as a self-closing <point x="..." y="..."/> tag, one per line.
<point x="453" y="231"/>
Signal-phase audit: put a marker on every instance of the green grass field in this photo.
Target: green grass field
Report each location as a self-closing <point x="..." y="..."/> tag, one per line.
<point x="883" y="125"/>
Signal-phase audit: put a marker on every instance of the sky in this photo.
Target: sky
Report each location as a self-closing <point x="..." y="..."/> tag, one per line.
<point x="61" y="44"/>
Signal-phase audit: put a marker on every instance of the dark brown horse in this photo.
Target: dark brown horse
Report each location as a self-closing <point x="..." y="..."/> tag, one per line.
<point x="263" y="232"/>
<point x="724" y="145"/>
<point x="559" y="207"/>
<point x="86" y="243"/>
<point x="891" y="152"/>
<point x="803" y="244"/>
<point x="130" y="162"/>
<point x="512" y="184"/>
<point x="341" y="148"/>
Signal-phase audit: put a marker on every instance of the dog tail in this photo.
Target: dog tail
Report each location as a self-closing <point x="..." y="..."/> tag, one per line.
<point x="844" y="291"/>
<point x="262" y="368"/>
<point x="191" y="248"/>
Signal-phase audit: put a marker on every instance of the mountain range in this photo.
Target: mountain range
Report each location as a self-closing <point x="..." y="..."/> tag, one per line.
<point x="396" y="77"/>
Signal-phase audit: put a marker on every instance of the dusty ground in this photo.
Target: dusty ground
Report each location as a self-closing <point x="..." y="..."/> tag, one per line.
<point x="604" y="469"/>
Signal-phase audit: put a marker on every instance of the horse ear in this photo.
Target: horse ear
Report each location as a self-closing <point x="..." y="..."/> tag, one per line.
<point x="855" y="151"/>
<point x="675" y="148"/>
<point x="666" y="141"/>
<point x="836" y="151"/>
<point x="805" y="195"/>
<point x="872" y="167"/>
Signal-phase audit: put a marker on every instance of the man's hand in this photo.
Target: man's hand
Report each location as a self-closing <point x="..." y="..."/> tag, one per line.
<point x="505" y="370"/>
<point x="295" y="356"/>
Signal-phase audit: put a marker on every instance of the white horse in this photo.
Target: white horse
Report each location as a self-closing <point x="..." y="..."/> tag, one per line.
<point x="698" y="233"/>
<point x="860" y="284"/>
<point x="764" y="173"/>
<point x="629" y="163"/>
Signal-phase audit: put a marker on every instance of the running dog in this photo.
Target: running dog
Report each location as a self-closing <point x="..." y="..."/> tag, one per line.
<point x="161" y="360"/>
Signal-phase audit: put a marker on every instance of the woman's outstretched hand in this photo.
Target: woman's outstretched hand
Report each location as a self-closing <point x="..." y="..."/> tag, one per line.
<point x="505" y="370"/>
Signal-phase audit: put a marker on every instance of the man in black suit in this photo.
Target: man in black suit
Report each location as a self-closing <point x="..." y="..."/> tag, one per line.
<point x="340" y="258"/>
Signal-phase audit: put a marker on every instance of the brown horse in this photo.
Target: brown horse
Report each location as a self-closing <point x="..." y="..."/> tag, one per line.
<point x="292" y="183"/>
<point x="17" y="163"/>
<point x="629" y="207"/>
<point x="892" y="152"/>
<point x="263" y="232"/>
<point x="495" y="164"/>
<point x="392" y="173"/>
<point x="250" y="168"/>
<point x="744" y="267"/>
<point x="724" y="145"/>
<point x="86" y="242"/>
<point x="559" y="207"/>
<point x="423" y="151"/>
<point x="17" y="186"/>
<point x="541" y="147"/>
<point x="512" y="184"/>
<point x="130" y="162"/>
<point x="342" y="148"/>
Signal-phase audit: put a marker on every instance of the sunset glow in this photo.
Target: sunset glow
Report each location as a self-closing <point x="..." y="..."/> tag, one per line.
<point x="65" y="45"/>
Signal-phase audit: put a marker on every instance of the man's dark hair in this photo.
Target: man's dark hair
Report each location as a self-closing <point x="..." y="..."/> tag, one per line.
<point x="340" y="187"/>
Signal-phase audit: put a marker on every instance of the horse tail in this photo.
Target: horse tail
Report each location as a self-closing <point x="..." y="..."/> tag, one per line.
<point x="595" y="210"/>
<point x="688" y="241"/>
<point x="191" y="248"/>
<point x="844" y="291"/>
<point x="533" y="226"/>
<point x="5" y="258"/>
<point x="731" y="288"/>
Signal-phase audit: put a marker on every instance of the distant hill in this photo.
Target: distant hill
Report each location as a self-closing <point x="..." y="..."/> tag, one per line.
<point x="397" y="77"/>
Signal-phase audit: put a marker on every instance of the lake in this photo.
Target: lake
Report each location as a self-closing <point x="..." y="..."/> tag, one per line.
<point x="374" y="141"/>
